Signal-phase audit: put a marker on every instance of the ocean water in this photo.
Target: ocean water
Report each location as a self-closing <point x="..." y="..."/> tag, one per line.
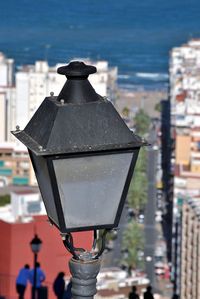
<point x="134" y="35"/>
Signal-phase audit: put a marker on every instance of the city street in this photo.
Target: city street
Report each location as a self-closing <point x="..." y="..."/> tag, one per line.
<point x="113" y="257"/>
<point x="150" y="210"/>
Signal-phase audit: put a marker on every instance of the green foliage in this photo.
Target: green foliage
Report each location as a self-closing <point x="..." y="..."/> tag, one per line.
<point x="133" y="243"/>
<point x="157" y="107"/>
<point x="133" y="239"/>
<point x="126" y="112"/>
<point x="137" y="194"/>
<point x="141" y="161"/>
<point x="4" y="200"/>
<point x="142" y="122"/>
<point x="110" y="236"/>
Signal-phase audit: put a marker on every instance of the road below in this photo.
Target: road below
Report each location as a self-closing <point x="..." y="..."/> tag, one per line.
<point x="150" y="211"/>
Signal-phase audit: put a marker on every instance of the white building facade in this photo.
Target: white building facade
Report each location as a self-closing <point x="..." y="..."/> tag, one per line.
<point x="185" y="118"/>
<point x="7" y="97"/>
<point x="185" y="121"/>
<point x="35" y="82"/>
<point x="20" y="98"/>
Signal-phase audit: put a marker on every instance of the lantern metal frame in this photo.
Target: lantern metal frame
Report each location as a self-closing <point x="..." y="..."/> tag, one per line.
<point x="54" y="133"/>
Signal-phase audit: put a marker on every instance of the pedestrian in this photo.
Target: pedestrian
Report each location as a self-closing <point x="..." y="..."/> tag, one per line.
<point x="59" y="285"/>
<point x="133" y="294"/>
<point x="21" y="281"/>
<point x="68" y="292"/>
<point x="175" y="296"/>
<point x="148" y="294"/>
<point x="40" y="277"/>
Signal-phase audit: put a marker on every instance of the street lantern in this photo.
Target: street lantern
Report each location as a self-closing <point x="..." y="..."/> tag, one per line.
<point x="83" y="155"/>
<point x="35" y="244"/>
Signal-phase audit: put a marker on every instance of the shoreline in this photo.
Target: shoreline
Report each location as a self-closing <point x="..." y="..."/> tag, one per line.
<point x="142" y="99"/>
<point x="140" y="87"/>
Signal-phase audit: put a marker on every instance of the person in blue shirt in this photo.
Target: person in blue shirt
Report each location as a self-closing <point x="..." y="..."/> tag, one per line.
<point x="40" y="277"/>
<point x="22" y="280"/>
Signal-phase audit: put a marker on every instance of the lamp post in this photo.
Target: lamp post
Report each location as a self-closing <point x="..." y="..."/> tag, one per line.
<point x="35" y="244"/>
<point x="83" y="155"/>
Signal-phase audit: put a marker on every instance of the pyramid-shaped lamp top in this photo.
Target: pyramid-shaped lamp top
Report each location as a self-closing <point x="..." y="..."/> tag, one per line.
<point x="77" y="120"/>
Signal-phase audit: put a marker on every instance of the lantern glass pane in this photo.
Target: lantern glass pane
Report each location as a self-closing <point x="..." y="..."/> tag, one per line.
<point x="36" y="247"/>
<point x="90" y="188"/>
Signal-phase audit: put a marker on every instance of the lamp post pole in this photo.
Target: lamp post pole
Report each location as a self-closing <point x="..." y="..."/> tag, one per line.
<point x="34" y="276"/>
<point x="35" y="247"/>
<point x="84" y="273"/>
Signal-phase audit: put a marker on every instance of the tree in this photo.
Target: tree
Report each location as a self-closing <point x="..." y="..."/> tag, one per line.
<point x="133" y="238"/>
<point x="133" y="245"/>
<point x="142" y="122"/>
<point x="141" y="161"/>
<point x="4" y="200"/>
<point x="137" y="195"/>
<point x="158" y="107"/>
<point x="126" y="112"/>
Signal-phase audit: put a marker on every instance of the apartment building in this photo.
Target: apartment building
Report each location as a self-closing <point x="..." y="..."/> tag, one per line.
<point x="15" y="166"/>
<point x="190" y="250"/>
<point x="20" y="99"/>
<point x="185" y="133"/>
<point x="22" y="92"/>
<point x="185" y="117"/>
<point x="35" y="82"/>
<point x="7" y="97"/>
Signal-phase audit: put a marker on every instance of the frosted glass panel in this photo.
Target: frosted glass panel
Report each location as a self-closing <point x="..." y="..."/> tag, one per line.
<point x="90" y="187"/>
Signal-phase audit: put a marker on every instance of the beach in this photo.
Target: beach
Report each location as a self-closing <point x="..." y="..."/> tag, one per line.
<point x="144" y="99"/>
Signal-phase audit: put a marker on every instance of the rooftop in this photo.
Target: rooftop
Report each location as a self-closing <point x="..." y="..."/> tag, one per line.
<point x="13" y="146"/>
<point x="25" y="191"/>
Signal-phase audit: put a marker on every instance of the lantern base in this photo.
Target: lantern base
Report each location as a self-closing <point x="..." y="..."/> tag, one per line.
<point x="82" y="254"/>
<point x="84" y="273"/>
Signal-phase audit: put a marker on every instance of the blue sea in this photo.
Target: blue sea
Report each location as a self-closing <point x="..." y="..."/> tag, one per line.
<point x="134" y="35"/>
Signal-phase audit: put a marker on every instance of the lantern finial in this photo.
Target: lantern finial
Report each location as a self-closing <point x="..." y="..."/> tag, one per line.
<point x="77" y="89"/>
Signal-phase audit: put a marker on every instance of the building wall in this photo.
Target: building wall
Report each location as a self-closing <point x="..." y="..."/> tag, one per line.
<point x="190" y="250"/>
<point x="6" y="71"/>
<point x="7" y="92"/>
<point x="5" y="260"/>
<point x="35" y="82"/>
<point x="185" y="107"/>
<point x="2" y="116"/>
<point x="166" y="178"/>
<point x="6" y="96"/>
<point x="26" y="204"/>
<point x="15" y="165"/>
<point x="22" y="103"/>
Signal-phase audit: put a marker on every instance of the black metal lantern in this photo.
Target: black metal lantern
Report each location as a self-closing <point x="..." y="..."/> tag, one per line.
<point x="83" y="154"/>
<point x="35" y="244"/>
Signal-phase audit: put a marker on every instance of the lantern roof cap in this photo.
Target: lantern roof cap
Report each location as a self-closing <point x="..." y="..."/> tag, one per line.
<point x="35" y="240"/>
<point x="77" y="120"/>
<point x="76" y="69"/>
